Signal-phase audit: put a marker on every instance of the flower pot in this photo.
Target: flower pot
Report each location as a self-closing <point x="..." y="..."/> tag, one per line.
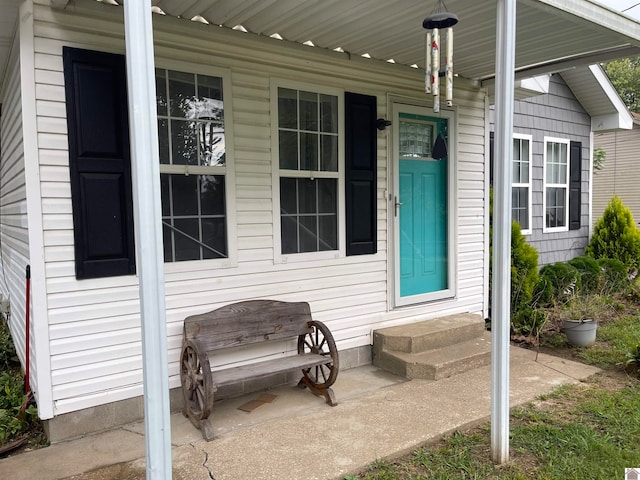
<point x="580" y="333"/>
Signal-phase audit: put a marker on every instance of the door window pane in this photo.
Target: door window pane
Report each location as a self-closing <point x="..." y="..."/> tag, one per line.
<point x="416" y="139"/>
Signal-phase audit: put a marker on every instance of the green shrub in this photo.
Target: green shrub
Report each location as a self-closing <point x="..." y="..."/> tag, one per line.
<point x="556" y="283"/>
<point x="14" y="419"/>
<point x="524" y="269"/>
<point x="615" y="235"/>
<point x="589" y="272"/>
<point x="528" y="321"/>
<point x="615" y="275"/>
<point x="8" y="356"/>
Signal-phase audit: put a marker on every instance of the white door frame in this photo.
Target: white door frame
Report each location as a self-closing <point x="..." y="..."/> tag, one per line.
<point x="395" y="107"/>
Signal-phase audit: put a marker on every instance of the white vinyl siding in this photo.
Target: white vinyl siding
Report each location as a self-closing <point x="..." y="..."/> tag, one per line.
<point x="14" y="238"/>
<point x="94" y="324"/>
<point x="556" y="185"/>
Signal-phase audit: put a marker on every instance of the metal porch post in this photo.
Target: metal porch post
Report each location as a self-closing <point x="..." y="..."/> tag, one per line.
<point x="147" y="216"/>
<point x="500" y="305"/>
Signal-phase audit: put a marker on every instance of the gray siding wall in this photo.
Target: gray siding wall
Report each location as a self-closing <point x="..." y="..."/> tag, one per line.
<point x="556" y="114"/>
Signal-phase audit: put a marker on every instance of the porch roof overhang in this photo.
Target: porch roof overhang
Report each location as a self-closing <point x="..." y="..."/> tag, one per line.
<point x="552" y="35"/>
<point x="594" y="90"/>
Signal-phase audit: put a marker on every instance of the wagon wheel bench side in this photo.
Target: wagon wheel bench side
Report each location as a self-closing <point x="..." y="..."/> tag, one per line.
<point x="246" y="323"/>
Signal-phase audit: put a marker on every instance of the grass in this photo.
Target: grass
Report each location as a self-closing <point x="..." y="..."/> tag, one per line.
<point x="580" y="431"/>
<point x="590" y="430"/>
<point x="615" y="339"/>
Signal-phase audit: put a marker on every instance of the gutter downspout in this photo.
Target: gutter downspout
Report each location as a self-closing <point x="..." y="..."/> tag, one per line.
<point x="503" y="143"/>
<point x="147" y="215"/>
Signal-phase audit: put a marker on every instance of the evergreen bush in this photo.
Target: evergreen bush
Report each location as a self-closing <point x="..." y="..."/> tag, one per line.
<point x="556" y="283"/>
<point x="615" y="235"/>
<point x="615" y="275"/>
<point x="589" y="271"/>
<point x="524" y="270"/>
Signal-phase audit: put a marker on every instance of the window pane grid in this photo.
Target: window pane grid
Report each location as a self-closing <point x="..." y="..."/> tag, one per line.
<point x="192" y="224"/>
<point x="520" y="182"/>
<point x="308" y="166"/>
<point x="313" y="131"/>
<point x="309" y="215"/>
<point x="191" y="132"/>
<point x="556" y="177"/>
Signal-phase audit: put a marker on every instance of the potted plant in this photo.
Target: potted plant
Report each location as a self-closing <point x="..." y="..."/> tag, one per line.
<point x="580" y="319"/>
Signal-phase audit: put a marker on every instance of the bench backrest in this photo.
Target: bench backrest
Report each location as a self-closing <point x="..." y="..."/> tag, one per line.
<point x="248" y="322"/>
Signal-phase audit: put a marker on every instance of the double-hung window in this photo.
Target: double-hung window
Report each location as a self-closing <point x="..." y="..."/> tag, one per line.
<point x="556" y="184"/>
<point x="521" y="182"/>
<point x="193" y="147"/>
<point x="308" y="171"/>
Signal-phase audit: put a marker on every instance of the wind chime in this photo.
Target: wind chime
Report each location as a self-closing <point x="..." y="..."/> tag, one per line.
<point x="439" y="19"/>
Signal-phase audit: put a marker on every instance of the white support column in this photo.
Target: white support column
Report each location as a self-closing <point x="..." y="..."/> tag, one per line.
<point x="147" y="215"/>
<point x="500" y="315"/>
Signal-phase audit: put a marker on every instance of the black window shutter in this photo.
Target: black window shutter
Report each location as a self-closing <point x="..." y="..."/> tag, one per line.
<point x="575" y="185"/>
<point x="360" y="173"/>
<point x="99" y="163"/>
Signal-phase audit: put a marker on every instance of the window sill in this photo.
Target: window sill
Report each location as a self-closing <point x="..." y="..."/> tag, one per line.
<point x="555" y="230"/>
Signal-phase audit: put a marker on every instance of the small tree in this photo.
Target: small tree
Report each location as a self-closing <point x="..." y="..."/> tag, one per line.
<point x="615" y="235"/>
<point x="524" y="269"/>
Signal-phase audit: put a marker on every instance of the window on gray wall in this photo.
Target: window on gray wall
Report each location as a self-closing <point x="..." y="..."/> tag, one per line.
<point x="521" y="181"/>
<point x="556" y="184"/>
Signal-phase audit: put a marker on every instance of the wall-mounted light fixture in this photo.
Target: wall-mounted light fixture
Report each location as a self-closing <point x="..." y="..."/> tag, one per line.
<point x="382" y="123"/>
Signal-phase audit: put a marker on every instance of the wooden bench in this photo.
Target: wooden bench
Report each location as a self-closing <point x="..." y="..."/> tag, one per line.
<point x="246" y="323"/>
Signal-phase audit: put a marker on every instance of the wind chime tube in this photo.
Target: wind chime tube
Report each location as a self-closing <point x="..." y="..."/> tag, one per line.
<point x="449" y="68"/>
<point x="427" y="62"/>
<point x="435" y="70"/>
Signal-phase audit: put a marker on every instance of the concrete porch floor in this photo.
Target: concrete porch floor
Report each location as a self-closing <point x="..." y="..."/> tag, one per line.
<point x="300" y="437"/>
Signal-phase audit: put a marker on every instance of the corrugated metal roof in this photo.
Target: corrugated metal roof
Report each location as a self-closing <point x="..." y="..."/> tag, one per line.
<point x="549" y="32"/>
<point x="392" y="29"/>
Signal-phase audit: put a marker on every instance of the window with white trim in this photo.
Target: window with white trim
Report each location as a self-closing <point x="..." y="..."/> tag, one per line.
<point x="193" y="165"/>
<point x="556" y="184"/>
<point x="521" y="182"/>
<point x="308" y="170"/>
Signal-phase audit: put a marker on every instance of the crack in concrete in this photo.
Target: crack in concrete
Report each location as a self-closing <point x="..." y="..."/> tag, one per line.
<point x="206" y="460"/>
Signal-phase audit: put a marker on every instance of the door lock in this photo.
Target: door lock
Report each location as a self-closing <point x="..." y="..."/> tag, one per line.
<point x="396" y="205"/>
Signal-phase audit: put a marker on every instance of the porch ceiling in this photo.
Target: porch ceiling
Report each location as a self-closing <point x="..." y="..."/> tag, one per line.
<point x="549" y="32"/>
<point x="552" y="35"/>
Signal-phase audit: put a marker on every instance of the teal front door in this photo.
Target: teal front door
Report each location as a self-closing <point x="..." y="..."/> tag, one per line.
<point x="421" y="209"/>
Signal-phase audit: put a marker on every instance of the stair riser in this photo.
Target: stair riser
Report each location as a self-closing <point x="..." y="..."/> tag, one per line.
<point x="391" y="363"/>
<point x="428" y="341"/>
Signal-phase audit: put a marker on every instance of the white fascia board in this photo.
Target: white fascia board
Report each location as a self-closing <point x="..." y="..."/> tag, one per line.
<point x="523" y="88"/>
<point x="595" y="13"/>
<point x="622" y="118"/>
<point x="532" y="86"/>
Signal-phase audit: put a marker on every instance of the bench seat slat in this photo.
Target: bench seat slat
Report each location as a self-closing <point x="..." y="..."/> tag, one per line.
<point x="266" y="368"/>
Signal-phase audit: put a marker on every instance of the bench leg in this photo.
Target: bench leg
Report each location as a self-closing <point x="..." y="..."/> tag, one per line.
<point x="204" y="425"/>
<point x="327" y="393"/>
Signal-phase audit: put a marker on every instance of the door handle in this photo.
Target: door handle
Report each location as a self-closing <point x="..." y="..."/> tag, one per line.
<point x="396" y="205"/>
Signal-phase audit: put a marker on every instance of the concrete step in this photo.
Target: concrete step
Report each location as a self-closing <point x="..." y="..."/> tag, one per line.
<point x="430" y="334"/>
<point x="440" y="362"/>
